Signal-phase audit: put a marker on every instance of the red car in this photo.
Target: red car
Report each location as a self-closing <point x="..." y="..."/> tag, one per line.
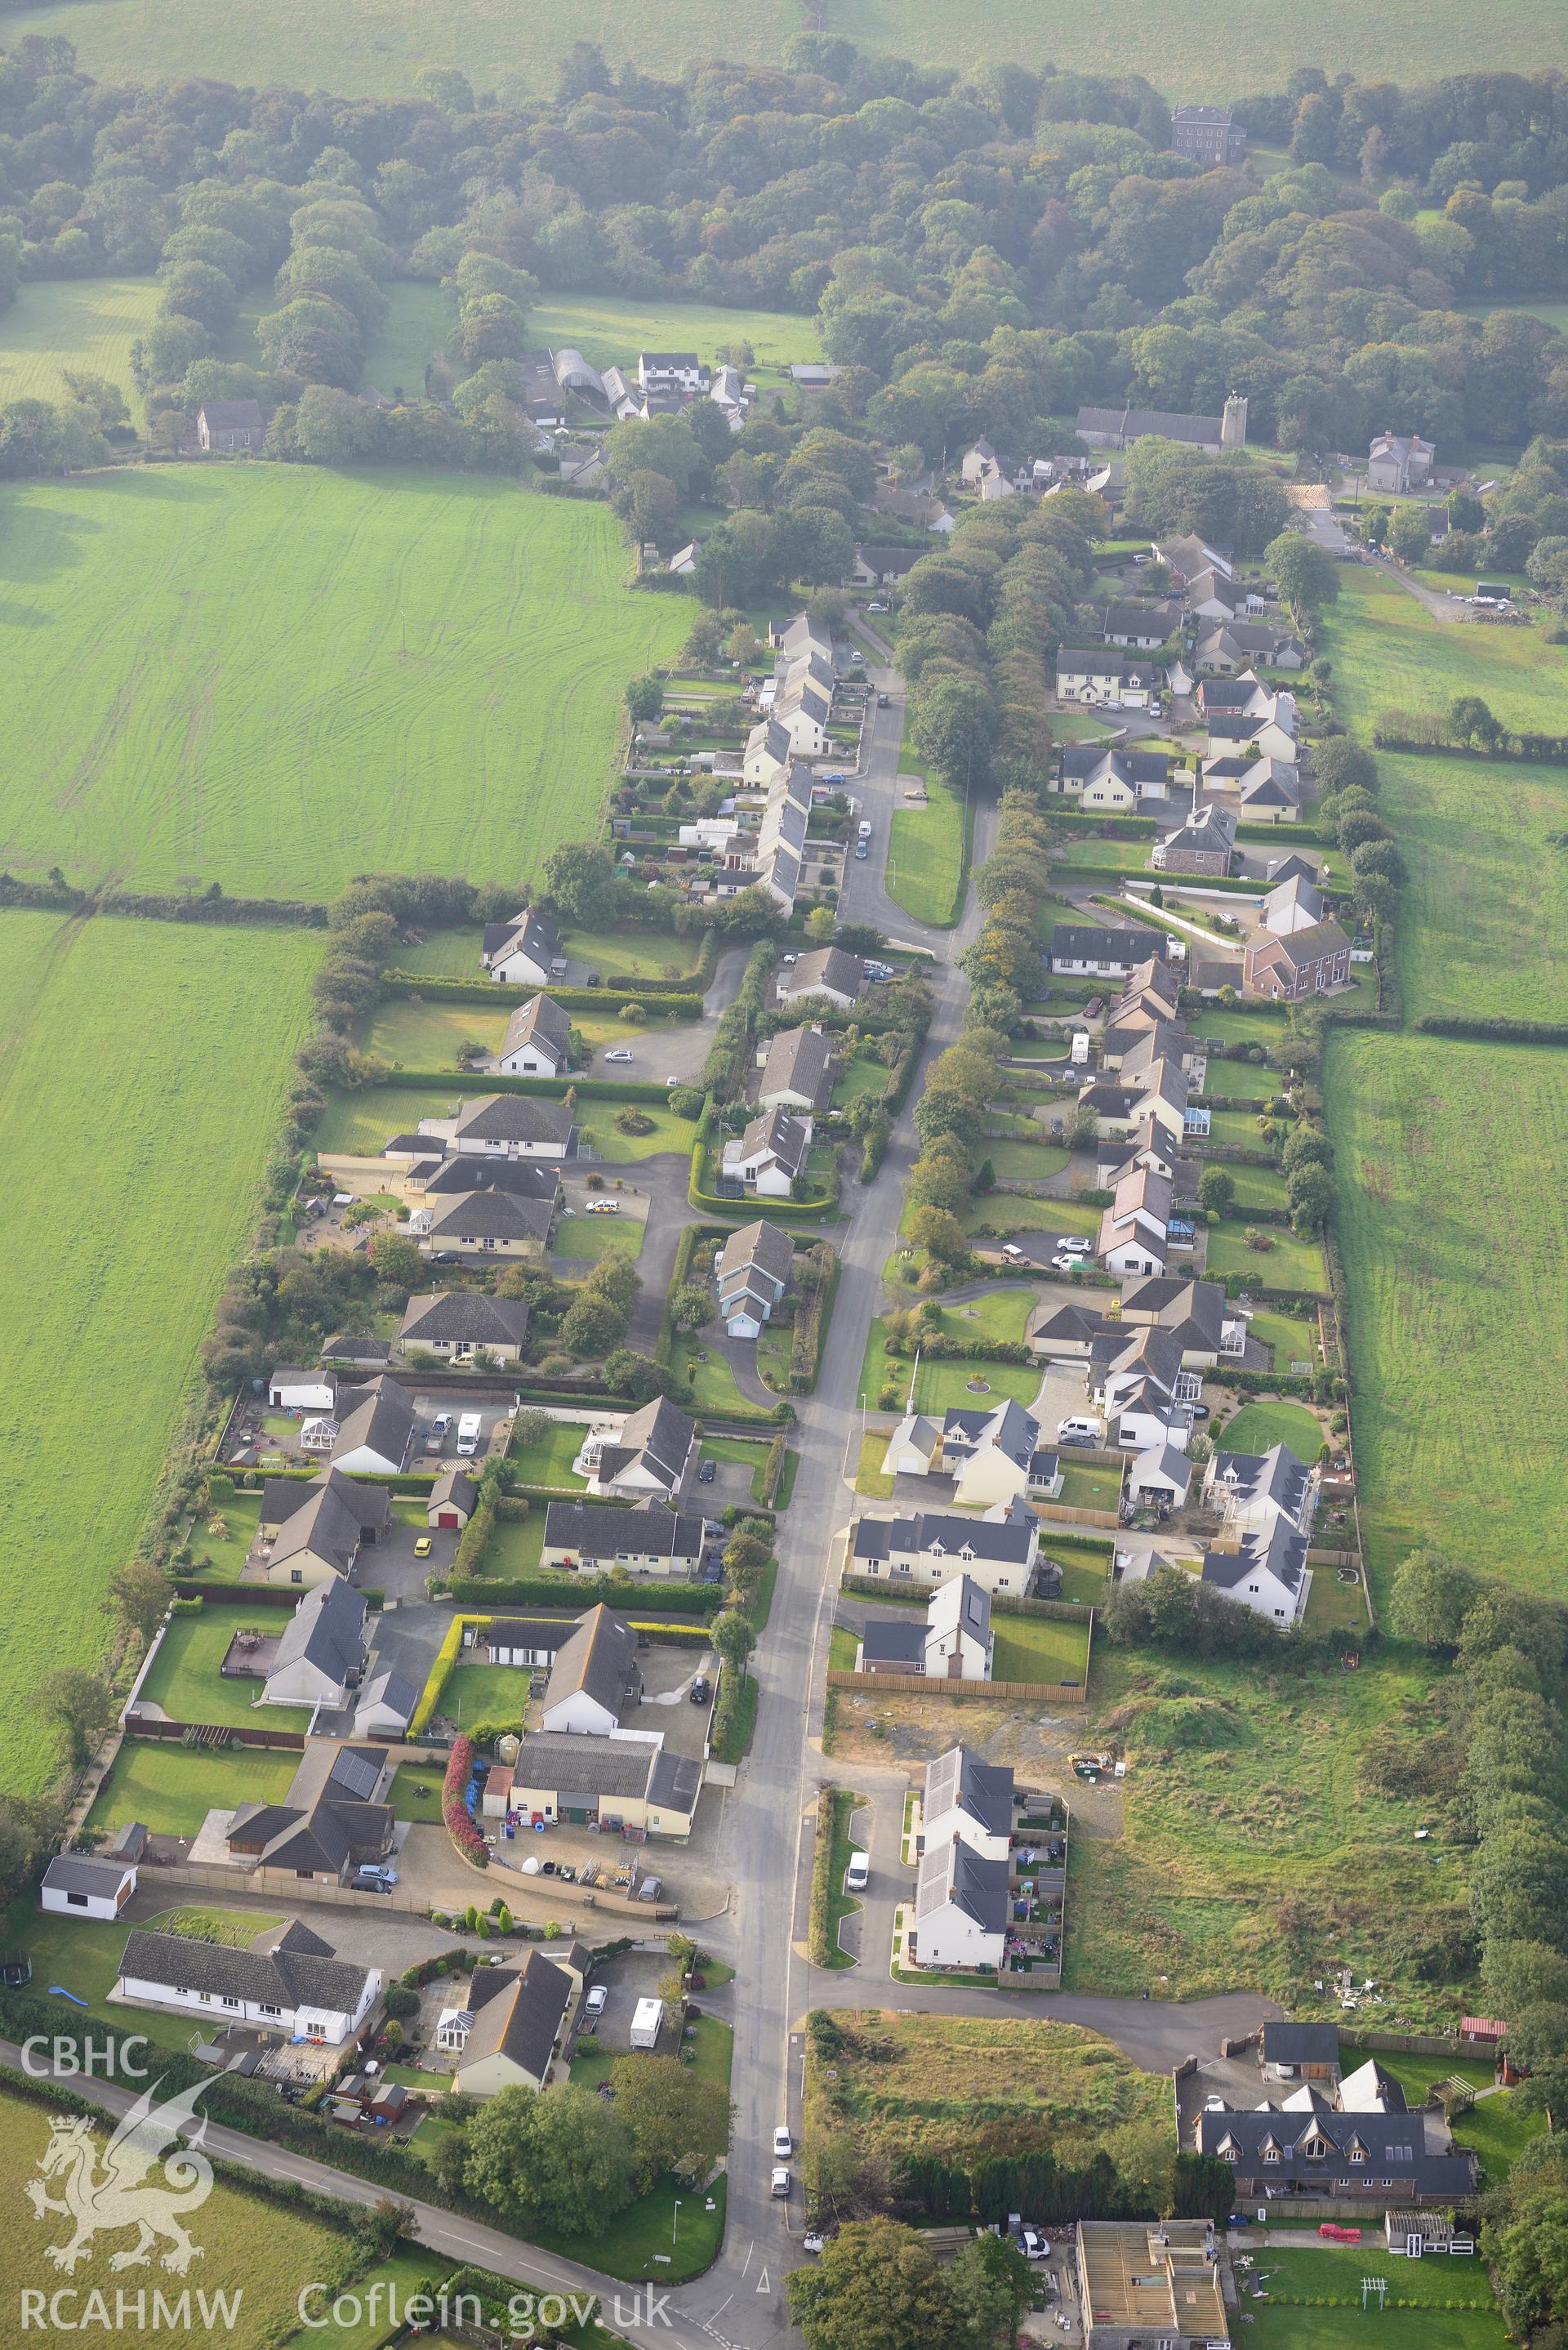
<point x="1338" y="2235"/>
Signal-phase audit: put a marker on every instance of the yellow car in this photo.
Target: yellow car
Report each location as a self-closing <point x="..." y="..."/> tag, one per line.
<point x="422" y="1547"/>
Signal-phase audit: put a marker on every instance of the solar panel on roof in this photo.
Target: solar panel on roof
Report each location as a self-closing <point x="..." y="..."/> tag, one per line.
<point x="357" y="1774"/>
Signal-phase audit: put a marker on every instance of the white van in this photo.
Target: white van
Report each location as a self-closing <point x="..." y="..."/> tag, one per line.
<point x="857" y="1876"/>
<point x="468" y="1429"/>
<point x="864" y="827"/>
<point x="1076" y="1431"/>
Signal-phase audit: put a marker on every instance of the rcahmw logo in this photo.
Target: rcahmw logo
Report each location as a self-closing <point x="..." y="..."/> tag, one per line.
<point x="106" y="2190"/>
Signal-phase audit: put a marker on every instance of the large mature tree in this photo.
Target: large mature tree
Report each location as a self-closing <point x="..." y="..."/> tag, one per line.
<point x="579" y="883"/>
<point x="876" y="2287"/>
<point x="565" y="2160"/>
<point x="990" y="2284"/>
<point x="674" y="2115"/>
<point x="79" y="1705"/>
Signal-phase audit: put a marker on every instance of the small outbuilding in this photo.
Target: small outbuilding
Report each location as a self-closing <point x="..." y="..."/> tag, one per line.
<point x="86" y="1885"/>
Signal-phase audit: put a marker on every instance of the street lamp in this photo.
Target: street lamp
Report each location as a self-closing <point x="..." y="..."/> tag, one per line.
<point x="675" y="2224"/>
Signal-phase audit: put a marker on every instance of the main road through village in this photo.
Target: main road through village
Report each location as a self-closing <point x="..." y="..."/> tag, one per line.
<point x="765" y="1841"/>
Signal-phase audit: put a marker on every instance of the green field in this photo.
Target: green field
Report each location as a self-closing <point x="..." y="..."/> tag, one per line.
<point x="136" y="1134"/>
<point x="1247" y="1804"/>
<point x="258" y="2253"/>
<point x="1455" y="1238"/>
<point x="928" y="853"/>
<point x="377" y="47"/>
<point x="608" y="330"/>
<point x="171" y="1789"/>
<point x="1389" y="652"/>
<point x="203" y="674"/>
<point x="86" y="324"/>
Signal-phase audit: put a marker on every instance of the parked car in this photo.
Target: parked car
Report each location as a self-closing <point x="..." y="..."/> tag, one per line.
<point x="597" y="1999"/>
<point x="604" y="1207"/>
<point x="1033" y="2245"/>
<point x="702" y="1689"/>
<point x="864" y="827"/>
<point x="1068" y="1260"/>
<point x="440" y="1425"/>
<point x="862" y="852"/>
<point x="707" y="1472"/>
<point x="781" y="2181"/>
<point x="1013" y="1253"/>
<point x="446" y="1257"/>
<point x="377" y="1873"/>
<point x="621" y="1054"/>
<point x="876" y="608"/>
<point x="787" y="962"/>
<point x="884" y="701"/>
<point x="424" y="1547"/>
<point x="1079" y="1244"/>
<point x="814" y="2243"/>
<point x="1338" y="2235"/>
<point x="784" y="2145"/>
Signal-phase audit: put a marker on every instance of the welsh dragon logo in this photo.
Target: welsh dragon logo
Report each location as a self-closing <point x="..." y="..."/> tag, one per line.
<point x="120" y="2194"/>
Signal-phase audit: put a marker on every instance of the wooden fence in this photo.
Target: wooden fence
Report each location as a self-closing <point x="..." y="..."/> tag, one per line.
<point x="142" y="1725"/>
<point x="870" y="1586"/>
<point x="918" y="1685"/>
<point x="1058" y="1514"/>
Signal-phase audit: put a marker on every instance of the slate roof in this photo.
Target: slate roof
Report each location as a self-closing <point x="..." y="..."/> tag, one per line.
<point x="1156" y="620"/>
<point x="824" y="967"/>
<point x="513" y="1117"/>
<point x="323" y="1526"/>
<point x="1006" y="1425"/>
<point x="455" y="1486"/>
<point x="486" y="1213"/>
<point x="282" y="1976"/>
<point x="1285" y="2041"/>
<point x="775" y="1134"/>
<point x="1281" y="1552"/>
<point x="1163" y="423"/>
<point x="327" y="1630"/>
<point x="659" y="1435"/>
<point x="526" y="1179"/>
<point x="528" y="931"/>
<point x="954" y="1873"/>
<point x="799" y="1061"/>
<point x="391" y="1690"/>
<point x="767" y="1247"/>
<point x="1192" y="1311"/>
<point x="1080" y="943"/>
<point x="343" y="1349"/>
<point x="465" y="1316"/>
<point x="961" y="1605"/>
<point x="1164" y="1461"/>
<point x="384" y="1422"/>
<point x="894" y="1640"/>
<point x="1277" y="1476"/>
<point x="675" y="1782"/>
<point x="984" y="1789"/>
<point x="1090" y="762"/>
<point x="600" y="1529"/>
<point x="83" y="1872"/>
<point x="598" y="1658"/>
<point x="283" y="1498"/>
<point x="541" y="1021"/>
<point x="1004" y="1541"/>
<point x="1286" y="896"/>
<point x="1319" y="942"/>
<point x="519" y="2013"/>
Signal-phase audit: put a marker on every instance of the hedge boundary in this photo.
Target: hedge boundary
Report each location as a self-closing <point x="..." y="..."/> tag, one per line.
<point x="678" y="1003"/>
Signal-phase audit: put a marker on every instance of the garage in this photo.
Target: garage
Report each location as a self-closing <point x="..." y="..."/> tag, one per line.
<point x="448" y="1521"/>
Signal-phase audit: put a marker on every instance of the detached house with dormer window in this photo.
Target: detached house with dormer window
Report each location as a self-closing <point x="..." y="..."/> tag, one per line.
<point x="928" y="1550"/>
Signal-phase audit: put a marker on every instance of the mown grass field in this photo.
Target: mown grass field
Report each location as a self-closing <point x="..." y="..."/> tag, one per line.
<point x="140" y="1080"/>
<point x="258" y="2253"/>
<point x="1389" y="653"/>
<point x="1258" y="1426"/>
<point x="86" y="324"/>
<point x="171" y="1789"/>
<point x="203" y="674"/>
<point x="1455" y="1236"/>
<point x="609" y="330"/>
<point x="928" y="854"/>
<point x="1287" y="1262"/>
<point x="378" y="47"/>
<point x="1418" y="2309"/>
<point x="1250" y="1831"/>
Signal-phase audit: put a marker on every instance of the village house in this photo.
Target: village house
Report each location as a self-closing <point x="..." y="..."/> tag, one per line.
<point x="972" y="1800"/>
<point x="514" y="2022"/>
<point x="598" y="1538"/>
<point x="771" y="1155"/>
<point x="993" y="1456"/>
<point x="331" y="1822"/>
<point x="538" y="1041"/>
<point x="377" y="1437"/>
<point x="1293" y="905"/>
<point x="960" y="1910"/>
<point x="1269" y="792"/>
<point x="1231" y="646"/>
<point x="1142" y="627"/>
<point x="998" y="1554"/>
<point x="1268" y="1574"/>
<point x="953" y="1643"/>
<point x="754" y="1271"/>
<point x="649" y="1454"/>
<point x="1106" y="679"/>
<point x="506" y="1125"/>
<point x="798" y="1066"/>
<point x="829" y="972"/>
<point x="768" y="751"/>
<point x="1196" y="1314"/>
<point x="1078" y="950"/>
<point x="1213" y="596"/>
<point x="1203" y="843"/>
<point x="484" y="1222"/>
<point x="295" y="1989"/>
<point x="1115" y="782"/>
<point x="1255" y="1491"/>
<point x="883" y="567"/>
<point x="524" y="952"/>
<point x="311" y="1532"/>
<point x="457" y="1324"/>
<point x="1143" y="2283"/>
<point x="635" y="1785"/>
<point x="320" y="1652"/>
<point x="1188" y="558"/>
<point x="1399" y="462"/>
<point x="594" y="1677"/>
<point x="1162" y="1475"/>
<point x="1315" y="2155"/>
<point x="1208" y="134"/>
<point x="1304" y="962"/>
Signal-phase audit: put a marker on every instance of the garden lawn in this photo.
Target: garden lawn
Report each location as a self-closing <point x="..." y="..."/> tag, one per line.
<point x="218" y="1558"/>
<point x="549" y="1461"/>
<point x="610" y="330"/>
<point x="633" y="954"/>
<point x="515" y="1544"/>
<point x="171" y="1789"/>
<point x="85" y="324"/>
<point x="928" y="854"/>
<point x="706" y="1382"/>
<point x="409" y="2272"/>
<point x="185" y="1680"/>
<point x="1290" y="1340"/>
<point x="843" y="1647"/>
<point x="108" y="1280"/>
<point x="253" y="2249"/>
<point x="1334" y="2273"/>
<point x="1256" y="1187"/>
<point x="1246" y="1807"/>
<point x="1283" y="2328"/>
<point x="1239" y="1126"/>
<point x="1242" y="1024"/>
<point x="484" y="1693"/>
<point x="584" y="1239"/>
<point x="1455" y="1238"/>
<point x="1083" y="1578"/>
<point x="1019" y="1161"/>
<point x="1258" y="1425"/>
<point x="1084" y="1488"/>
<point x="1287" y="1262"/>
<point x="1496" y="2125"/>
<point x="872" y="1478"/>
<point x="840" y="1904"/>
<point x="415" y="1793"/>
<point x="83" y="1954"/>
<point x="356" y="1124"/>
<point x="939" y="1385"/>
<point x="669" y="1132"/>
<point x="1040" y="1648"/>
<point x="203" y="674"/>
<point x="631" y="2246"/>
<point x="417" y="326"/>
<point x="861" y="1073"/>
